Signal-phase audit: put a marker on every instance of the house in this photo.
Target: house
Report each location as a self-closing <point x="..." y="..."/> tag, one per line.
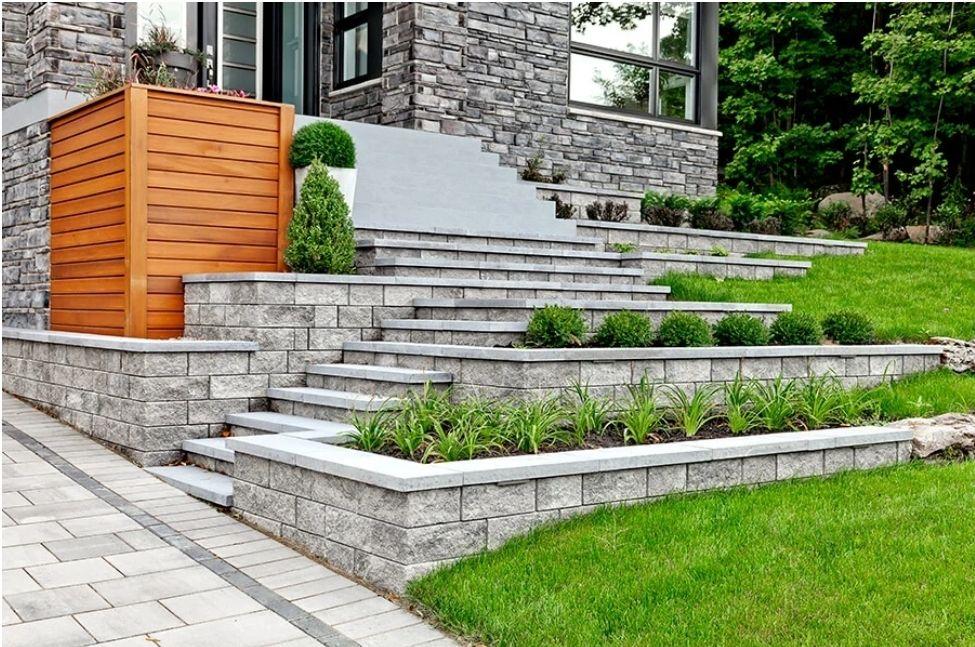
<point x="612" y="97"/>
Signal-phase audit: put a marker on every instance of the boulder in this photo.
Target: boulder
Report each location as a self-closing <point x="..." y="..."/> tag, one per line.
<point x="874" y="200"/>
<point x="948" y="434"/>
<point x="915" y="233"/>
<point x="958" y="354"/>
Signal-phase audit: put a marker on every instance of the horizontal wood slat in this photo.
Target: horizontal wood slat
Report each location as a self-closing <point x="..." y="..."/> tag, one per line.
<point x="149" y="184"/>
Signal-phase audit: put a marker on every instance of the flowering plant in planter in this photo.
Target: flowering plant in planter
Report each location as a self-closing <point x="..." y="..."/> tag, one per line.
<point x="158" y="59"/>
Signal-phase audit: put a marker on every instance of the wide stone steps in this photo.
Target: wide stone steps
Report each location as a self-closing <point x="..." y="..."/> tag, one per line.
<point x="593" y="311"/>
<point x="370" y="249"/>
<point x="214" y="487"/>
<point x="272" y="422"/>
<point x="210" y="454"/>
<point x="454" y="332"/>
<point x="327" y="404"/>
<point x="476" y="237"/>
<point x="382" y="381"/>
<point x="655" y="265"/>
<point x="567" y="271"/>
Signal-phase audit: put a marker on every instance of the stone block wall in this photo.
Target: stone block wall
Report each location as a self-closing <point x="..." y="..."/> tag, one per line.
<point x="14" y="52"/>
<point x="143" y="403"/>
<point x="389" y="537"/>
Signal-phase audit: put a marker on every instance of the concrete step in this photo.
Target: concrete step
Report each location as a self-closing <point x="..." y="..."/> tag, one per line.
<point x="211" y="454"/>
<point x="382" y="381"/>
<point x="593" y="311"/>
<point x="456" y="333"/>
<point x="370" y="249"/>
<point x="327" y="404"/>
<point x="656" y="264"/>
<point x="198" y="482"/>
<point x="271" y="422"/>
<point x="568" y="272"/>
<point x="480" y="237"/>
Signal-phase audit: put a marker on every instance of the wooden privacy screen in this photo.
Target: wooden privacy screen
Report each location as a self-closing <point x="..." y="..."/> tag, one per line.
<point x="149" y="184"/>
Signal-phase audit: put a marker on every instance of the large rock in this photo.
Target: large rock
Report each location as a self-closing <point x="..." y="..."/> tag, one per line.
<point x="874" y="200"/>
<point x="948" y="434"/>
<point x="958" y="355"/>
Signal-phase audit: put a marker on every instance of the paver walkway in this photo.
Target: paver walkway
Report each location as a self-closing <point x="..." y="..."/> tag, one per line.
<point x="99" y="551"/>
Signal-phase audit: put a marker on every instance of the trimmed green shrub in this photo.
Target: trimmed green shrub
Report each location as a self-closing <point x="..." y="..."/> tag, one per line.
<point x="608" y="211"/>
<point x="795" y="329"/>
<point x="740" y="330"/>
<point x="325" y="141"/>
<point x="624" y="329"/>
<point x="706" y="214"/>
<point x="684" y="329"/>
<point x="321" y="238"/>
<point x="848" y="327"/>
<point x="555" y="327"/>
<point x="664" y="210"/>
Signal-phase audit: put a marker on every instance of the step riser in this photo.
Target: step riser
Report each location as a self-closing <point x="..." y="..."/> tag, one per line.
<point x="490" y="274"/>
<point x="655" y="269"/>
<point x="237" y="430"/>
<point x="592" y="317"/>
<point x="317" y="411"/>
<point x="369" y="387"/>
<point x="366" y="257"/>
<point x="453" y="338"/>
<point x="211" y="464"/>
<point x="387" y="359"/>
<point x="479" y="240"/>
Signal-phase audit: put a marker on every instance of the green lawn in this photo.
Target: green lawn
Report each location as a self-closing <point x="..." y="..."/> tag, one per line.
<point x="925" y="394"/>
<point x="911" y="292"/>
<point x="868" y="558"/>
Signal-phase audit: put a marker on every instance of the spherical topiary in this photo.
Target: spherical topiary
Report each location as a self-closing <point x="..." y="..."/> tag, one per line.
<point x="684" y="329"/>
<point x="321" y="238"/>
<point x="555" y="327"/>
<point x="624" y="330"/>
<point x="847" y="327"/>
<point x="795" y="328"/>
<point x="740" y="330"/>
<point x="324" y="140"/>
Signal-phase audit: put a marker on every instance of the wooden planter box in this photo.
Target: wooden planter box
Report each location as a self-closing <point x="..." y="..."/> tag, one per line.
<point x="149" y="184"/>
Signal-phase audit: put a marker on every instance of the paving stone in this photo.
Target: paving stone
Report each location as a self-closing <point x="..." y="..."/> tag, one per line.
<point x="347" y="594"/>
<point x="355" y="610"/>
<point x="132" y="620"/>
<point x="85" y="547"/>
<point x="54" y="632"/>
<point x="109" y="523"/>
<point x="150" y="561"/>
<point x="416" y="634"/>
<point x="377" y="624"/>
<point x="155" y="586"/>
<point x="140" y="539"/>
<point x="26" y="555"/>
<point x="16" y="580"/>
<point x="63" y="601"/>
<point x="195" y="608"/>
<point x="34" y="533"/>
<point x="250" y="630"/>
<point x="78" y="571"/>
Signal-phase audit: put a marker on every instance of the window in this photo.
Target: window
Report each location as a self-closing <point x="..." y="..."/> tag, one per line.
<point x="637" y="57"/>
<point x="239" y="27"/>
<point x="357" y="42"/>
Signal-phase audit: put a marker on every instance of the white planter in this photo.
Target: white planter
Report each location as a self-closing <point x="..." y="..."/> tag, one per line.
<point x="344" y="176"/>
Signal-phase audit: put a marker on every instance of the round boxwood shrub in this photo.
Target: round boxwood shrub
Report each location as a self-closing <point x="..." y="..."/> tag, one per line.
<point x="847" y="327"/>
<point x="624" y="329"/>
<point x="684" y="329"/>
<point x="325" y="141"/>
<point x="321" y="238"/>
<point x="740" y="330"/>
<point x="795" y="328"/>
<point x="555" y="327"/>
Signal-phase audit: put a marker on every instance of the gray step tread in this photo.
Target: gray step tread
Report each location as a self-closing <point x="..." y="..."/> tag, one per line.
<point x="456" y="325"/>
<point x="688" y="231"/>
<point x="474" y="233"/>
<point x="521" y="304"/>
<point x="198" y="482"/>
<point x="731" y="259"/>
<point x="332" y="398"/>
<point x="408" y="261"/>
<point x="478" y="248"/>
<point x="272" y="422"/>
<point x="382" y="373"/>
<point x="215" y="448"/>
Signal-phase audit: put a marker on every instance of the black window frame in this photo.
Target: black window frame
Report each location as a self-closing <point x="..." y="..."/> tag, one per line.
<point x="372" y="16"/>
<point x="654" y="63"/>
<point x="273" y="18"/>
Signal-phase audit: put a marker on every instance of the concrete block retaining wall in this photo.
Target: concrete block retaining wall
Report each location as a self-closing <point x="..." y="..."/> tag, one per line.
<point x="389" y="521"/>
<point x="654" y="237"/>
<point x="507" y="372"/>
<point x="144" y="397"/>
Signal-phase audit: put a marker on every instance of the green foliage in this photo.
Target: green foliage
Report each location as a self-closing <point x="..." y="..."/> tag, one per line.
<point x="641" y="417"/>
<point x="587" y="414"/>
<point x="321" y="237"/>
<point x="563" y="210"/>
<point x="740" y="330"/>
<point x="691" y="413"/>
<point x="718" y="250"/>
<point x="706" y="214"/>
<point x="624" y="329"/>
<point x="555" y="327"/>
<point x="891" y="216"/>
<point x="848" y="327"/>
<point x="607" y="211"/>
<point x="325" y="141"/>
<point x="623" y="248"/>
<point x="534" y="425"/>
<point x="773" y="212"/>
<point x="795" y="329"/>
<point x="836" y="216"/>
<point x="683" y="329"/>
<point x="666" y="210"/>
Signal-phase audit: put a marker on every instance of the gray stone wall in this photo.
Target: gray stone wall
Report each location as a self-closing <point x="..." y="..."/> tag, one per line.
<point x="143" y="403"/>
<point x="389" y="537"/>
<point x="26" y="227"/>
<point x="14" y="52"/>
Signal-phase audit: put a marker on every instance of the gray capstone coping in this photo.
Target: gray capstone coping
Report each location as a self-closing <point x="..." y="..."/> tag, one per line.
<point x="717" y="260"/>
<point x="474" y="233"/>
<point x="603" y="304"/>
<point x="626" y="354"/>
<point x="408" y="476"/>
<point x="688" y="231"/>
<point x="128" y="344"/>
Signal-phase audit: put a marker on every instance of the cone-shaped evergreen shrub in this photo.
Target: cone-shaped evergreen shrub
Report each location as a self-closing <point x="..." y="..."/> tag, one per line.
<point x="321" y="238"/>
